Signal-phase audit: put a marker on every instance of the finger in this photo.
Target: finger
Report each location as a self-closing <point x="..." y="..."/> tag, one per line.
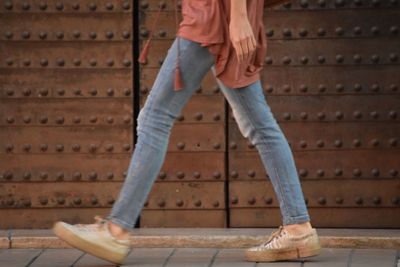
<point x="248" y="49"/>
<point x="252" y="45"/>
<point x="245" y="45"/>
<point x="254" y="42"/>
<point x="236" y="49"/>
<point x="240" y="49"/>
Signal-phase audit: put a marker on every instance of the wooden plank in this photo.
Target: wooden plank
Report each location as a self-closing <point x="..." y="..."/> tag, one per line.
<point x="35" y="164"/>
<point x="117" y="80"/>
<point x="68" y="108"/>
<point x="45" y="218"/>
<point x="313" y="77"/>
<point x="51" y="50"/>
<point x="297" y="20"/>
<point x="243" y="161"/>
<point x="329" y="257"/>
<point x="183" y="218"/>
<point x="17" y="257"/>
<point x="373" y="257"/>
<point x="366" y="128"/>
<point x="278" y="50"/>
<point x="297" y="8"/>
<point x="231" y="258"/>
<point x="148" y="257"/>
<point x="57" y="257"/>
<point x="349" y="190"/>
<point x="117" y="19"/>
<point x="193" y="257"/>
<point x="322" y="217"/>
<point x="209" y="193"/>
<point x="47" y="194"/>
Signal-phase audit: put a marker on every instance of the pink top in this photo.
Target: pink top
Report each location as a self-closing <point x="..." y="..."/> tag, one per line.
<point x="207" y="22"/>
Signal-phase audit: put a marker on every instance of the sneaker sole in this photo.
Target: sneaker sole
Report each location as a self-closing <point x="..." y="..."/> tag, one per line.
<point x="82" y="244"/>
<point x="277" y="255"/>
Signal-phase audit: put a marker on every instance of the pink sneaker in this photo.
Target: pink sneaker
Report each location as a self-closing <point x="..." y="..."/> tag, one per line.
<point x="94" y="239"/>
<point x="283" y="246"/>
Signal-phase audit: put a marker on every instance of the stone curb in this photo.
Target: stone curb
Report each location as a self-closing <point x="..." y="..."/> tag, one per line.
<point x="199" y="241"/>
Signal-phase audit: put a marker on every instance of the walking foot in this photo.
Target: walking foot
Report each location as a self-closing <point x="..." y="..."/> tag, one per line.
<point x="281" y="245"/>
<point x="95" y="239"/>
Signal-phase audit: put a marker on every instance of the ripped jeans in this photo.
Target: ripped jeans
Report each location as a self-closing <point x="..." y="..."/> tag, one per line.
<point x="163" y="105"/>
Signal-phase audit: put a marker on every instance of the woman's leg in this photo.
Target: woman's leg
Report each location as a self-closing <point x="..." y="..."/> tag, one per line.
<point x="155" y="120"/>
<point x="257" y="123"/>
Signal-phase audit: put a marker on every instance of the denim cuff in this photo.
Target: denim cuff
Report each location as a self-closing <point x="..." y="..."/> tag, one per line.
<point x="296" y="219"/>
<point x="121" y="223"/>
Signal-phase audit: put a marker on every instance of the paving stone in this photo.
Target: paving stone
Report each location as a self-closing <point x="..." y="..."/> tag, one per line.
<point x="145" y="257"/>
<point x="55" y="257"/>
<point x="17" y="257"/>
<point x="231" y="258"/>
<point x="398" y="258"/>
<point x="373" y="258"/>
<point x="329" y="257"/>
<point x="193" y="257"/>
<point x="88" y="260"/>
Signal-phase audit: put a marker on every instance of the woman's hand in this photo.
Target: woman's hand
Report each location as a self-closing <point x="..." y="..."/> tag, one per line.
<point x="240" y="31"/>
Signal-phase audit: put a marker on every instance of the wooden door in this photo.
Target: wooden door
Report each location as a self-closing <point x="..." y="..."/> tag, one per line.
<point x="66" y="109"/>
<point x="331" y="79"/>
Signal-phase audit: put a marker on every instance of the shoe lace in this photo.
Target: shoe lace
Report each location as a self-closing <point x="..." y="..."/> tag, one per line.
<point x="275" y="235"/>
<point x="99" y="223"/>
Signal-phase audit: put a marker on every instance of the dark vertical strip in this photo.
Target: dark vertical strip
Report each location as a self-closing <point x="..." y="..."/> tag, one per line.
<point x="136" y="74"/>
<point x="226" y="186"/>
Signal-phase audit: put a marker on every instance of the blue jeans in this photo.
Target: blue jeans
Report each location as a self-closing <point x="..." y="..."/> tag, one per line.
<point x="164" y="105"/>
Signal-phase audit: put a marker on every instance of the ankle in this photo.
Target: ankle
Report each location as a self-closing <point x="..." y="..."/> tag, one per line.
<point x="298" y="228"/>
<point x="117" y="231"/>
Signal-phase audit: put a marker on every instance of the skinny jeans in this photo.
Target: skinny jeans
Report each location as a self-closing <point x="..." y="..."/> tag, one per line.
<point x="162" y="107"/>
